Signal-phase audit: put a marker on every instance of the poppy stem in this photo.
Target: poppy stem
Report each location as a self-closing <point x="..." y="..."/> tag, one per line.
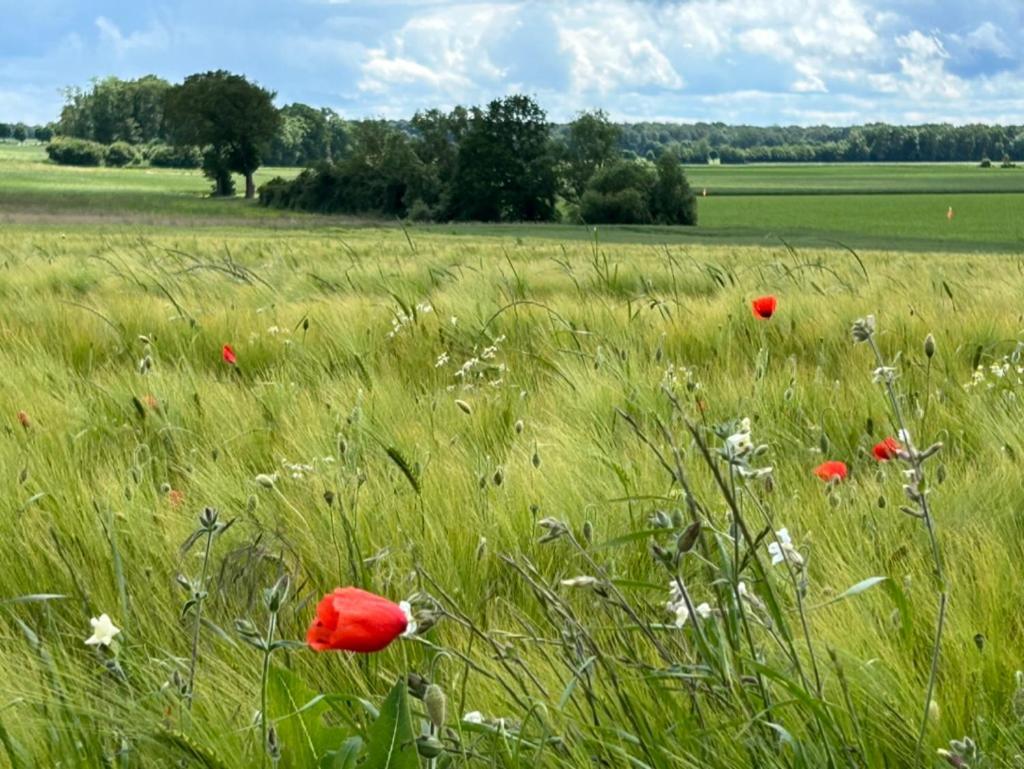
<point x="264" y="679"/>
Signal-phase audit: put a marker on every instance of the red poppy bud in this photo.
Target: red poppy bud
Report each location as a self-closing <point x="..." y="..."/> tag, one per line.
<point x="228" y="354"/>
<point x="764" y="306"/>
<point x="175" y="497"/>
<point x="24" y="420"/>
<point x="887" y="449"/>
<point x="350" y="619"/>
<point x="831" y="471"/>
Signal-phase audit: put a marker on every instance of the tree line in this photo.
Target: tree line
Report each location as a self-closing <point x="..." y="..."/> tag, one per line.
<point x="132" y="111"/>
<point x="494" y="162"/>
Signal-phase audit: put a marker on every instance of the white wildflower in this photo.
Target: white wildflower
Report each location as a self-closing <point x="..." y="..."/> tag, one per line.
<point x="442" y="360"/>
<point x="783" y="550"/>
<point x="473" y="717"/>
<point x="581" y="581"/>
<point x="103" y="631"/>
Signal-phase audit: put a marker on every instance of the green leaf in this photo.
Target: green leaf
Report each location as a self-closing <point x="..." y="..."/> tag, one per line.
<point x="860" y="587"/>
<point x="298" y="715"/>
<point x="345" y="757"/>
<point x="390" y="741"/>
<point x="633" y="536"/>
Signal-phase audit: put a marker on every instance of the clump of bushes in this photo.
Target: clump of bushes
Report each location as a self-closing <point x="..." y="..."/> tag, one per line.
<point x="639" y="192"/>
<point x="171" y="156"/>
<point x="76" y="152"/>
<point x="985" y="163"/>
<point x="120" y="154"/>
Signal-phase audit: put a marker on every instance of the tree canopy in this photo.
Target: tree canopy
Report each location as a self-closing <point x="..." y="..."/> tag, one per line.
<point x="234" y="119"/>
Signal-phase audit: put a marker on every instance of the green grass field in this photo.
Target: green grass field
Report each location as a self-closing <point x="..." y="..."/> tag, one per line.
<point x="467" y="418"/>
<point x="860" y="206"/>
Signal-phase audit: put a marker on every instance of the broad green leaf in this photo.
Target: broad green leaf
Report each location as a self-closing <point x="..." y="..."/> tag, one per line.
<point x="297" y="713"/>
<point x="390" y="741"/>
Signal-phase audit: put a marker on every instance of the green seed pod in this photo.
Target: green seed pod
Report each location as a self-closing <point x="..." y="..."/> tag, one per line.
<point x="929" y="346"/>
<point x="436" y="704"/>
<point x="429" y="747"/>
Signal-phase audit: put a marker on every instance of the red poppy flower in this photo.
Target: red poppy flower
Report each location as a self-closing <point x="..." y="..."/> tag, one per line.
<point x="350" y="619"/>
<point x="228" y="354"/>
<point x="175" y="497"/>
<point x="764" y="306"/>
<point x="151" y="402"/>
<point x="24" y="420"/>
<point x="831" y="471"/>
<point x="887" y="449"/>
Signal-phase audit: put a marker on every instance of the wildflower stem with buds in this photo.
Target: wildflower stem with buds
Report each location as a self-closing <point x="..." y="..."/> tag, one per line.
<point x="864" y="331"/>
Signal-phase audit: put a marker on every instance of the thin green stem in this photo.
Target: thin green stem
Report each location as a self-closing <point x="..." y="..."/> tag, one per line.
<point x="200" y="599"/>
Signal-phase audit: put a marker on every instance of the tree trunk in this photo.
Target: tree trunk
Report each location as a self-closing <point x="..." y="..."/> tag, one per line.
<point x="250" y="188"/>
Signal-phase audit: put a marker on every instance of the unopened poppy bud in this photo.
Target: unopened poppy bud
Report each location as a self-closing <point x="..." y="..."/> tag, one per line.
<point x="464" y="406"/>
<point x="518" y="426"/>
<point x="208" y="518"/>
<point x="252" y="503"/>
<point x="245" y="628"/>
<point x="277" y="594"/>
<point x="329" y="498"/>
<point x="929" y="346"/>
<point x="588" y="532"/>
<point x="266" y="481"/>
<point x="436" y="704"/>
<point x="273" y="746"/>
<point x="498" y="477"/>
<point x="429" y="747"/>
<point x="417" y="685"/>
<point x="165" y="488"/>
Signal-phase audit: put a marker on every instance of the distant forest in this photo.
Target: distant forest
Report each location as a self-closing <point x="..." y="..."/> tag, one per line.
<point x="131" y="111"/>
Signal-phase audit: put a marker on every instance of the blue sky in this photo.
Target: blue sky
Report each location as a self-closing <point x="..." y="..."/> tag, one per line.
<point x="754" y="61"/>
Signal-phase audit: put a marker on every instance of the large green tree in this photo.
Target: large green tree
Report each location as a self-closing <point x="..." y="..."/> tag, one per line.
<point x="233" y="118"/>
<point x="506" y="164"/>
<point x="116" y="110"/>
<point x="591" y="142"/>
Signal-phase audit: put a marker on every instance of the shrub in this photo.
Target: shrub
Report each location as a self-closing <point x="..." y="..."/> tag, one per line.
<point x="171" y="156"/>
<point x="120" y="154"/>
<point x="985" y="163"/>
<point x="75" y="152"/>
<point x="619" y="193"/>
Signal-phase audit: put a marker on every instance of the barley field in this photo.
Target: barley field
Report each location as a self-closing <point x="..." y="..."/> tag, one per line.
<point x="540" y="445"/>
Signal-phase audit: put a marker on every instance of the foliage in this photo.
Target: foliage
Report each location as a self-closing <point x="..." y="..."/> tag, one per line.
<point x="174" y="156"/>
<point x="876" y="142"/>
<point x="75" y="152"/>
<point x="638" y="192"/>
<point x="121" y="154"/>
<point x="234" y="118"/>
<point x="505" y="168"/>
<point x="116" y="110"/>
<point x="559" y="654"/>
<point x="672" y="200"/>
<point x="619" y="193"/>
<point x="591" y="141"/>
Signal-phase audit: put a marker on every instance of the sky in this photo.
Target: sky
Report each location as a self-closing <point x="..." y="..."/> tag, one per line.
<point x="762" y="62"/>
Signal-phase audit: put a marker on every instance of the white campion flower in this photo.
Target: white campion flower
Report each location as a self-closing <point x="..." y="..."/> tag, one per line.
<point x="103" y="631"/>
<point x="782" y="549"/>
<point x="581" y="581"/>
<point x="473" y="717"/>
<point x="410" y="619"/>
<point x="740" y="442"/>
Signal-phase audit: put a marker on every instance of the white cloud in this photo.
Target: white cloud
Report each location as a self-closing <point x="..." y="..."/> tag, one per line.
<point x="155" y="38"/>
<point x="988" y="37"/>
<point x="445" y="49"/>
